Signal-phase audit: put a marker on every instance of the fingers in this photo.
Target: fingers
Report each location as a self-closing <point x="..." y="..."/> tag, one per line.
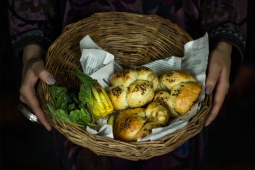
<point x="23" y="99"/>
<point x="212" y="78"/>
<point x="31" y="72"/>
<point x="219" y="96"/>
<point x="218" y="78"/>
<point x="31" y="100"/>
<point x="40" y="71"/>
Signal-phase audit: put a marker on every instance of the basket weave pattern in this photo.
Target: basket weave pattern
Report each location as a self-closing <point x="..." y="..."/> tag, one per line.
<point x="133" y="39"/>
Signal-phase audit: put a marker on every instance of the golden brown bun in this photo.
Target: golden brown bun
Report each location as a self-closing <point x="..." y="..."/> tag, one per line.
<point x="124" y="77"/>
<point x="132" y="124"/>
<point x="140" y="93"/>
<point x="118" y="96"/>
<point x="140" y="83"/>
<point x="183" y="88"/>
<point x="128" y="123"/>
<point x="164" y="98"/>
<point x="169" y="79"/>
<point x="147" y="74"/>
<point x="146" y="130"/>
<point x="157" y="112"/>
<point x="184" y="95"/>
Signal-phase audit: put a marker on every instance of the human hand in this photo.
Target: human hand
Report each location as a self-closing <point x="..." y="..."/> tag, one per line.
<point x="218" y="77"/>
<point x="33" y="69"/>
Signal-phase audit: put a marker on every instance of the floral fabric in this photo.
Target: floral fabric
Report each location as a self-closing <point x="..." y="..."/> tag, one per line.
<point x="41" y="22"/>
<point x="44" y="19"/>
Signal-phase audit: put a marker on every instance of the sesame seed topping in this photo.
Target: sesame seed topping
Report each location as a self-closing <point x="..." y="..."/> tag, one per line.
<point x="116" y="91"/>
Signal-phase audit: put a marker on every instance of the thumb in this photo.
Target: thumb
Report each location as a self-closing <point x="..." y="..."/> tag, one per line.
<point x="211" y="80"/>
<point x="44" y="75"/>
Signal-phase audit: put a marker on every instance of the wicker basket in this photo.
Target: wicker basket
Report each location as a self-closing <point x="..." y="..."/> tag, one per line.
<point x="133" y="39"/>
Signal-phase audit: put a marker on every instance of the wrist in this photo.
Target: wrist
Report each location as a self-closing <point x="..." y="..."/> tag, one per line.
<point x="224" y="47"/>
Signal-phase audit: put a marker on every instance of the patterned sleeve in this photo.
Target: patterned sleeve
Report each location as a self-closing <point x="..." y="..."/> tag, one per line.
<point x="225" y="21"/>
<point x="32" y="22"/>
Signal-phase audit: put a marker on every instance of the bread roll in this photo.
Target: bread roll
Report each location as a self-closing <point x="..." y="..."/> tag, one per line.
<point x="128" y="123"/>
<point x="140" y="93"/>
<point x="146" y="130"/>
<point x="118" y="96"/>
<point x="178" y="91"/>
<point x="157" y="112"/>
<point x="183" y="96"/>
<point x="181" y="91"/>
<point x="140" y="83"/>
<point x="169" y="79"/>
<point x="132" y="124"/>
<point x="147" y="74"/>
<point x="124" y="77"/>
<point x="164" y="98"/>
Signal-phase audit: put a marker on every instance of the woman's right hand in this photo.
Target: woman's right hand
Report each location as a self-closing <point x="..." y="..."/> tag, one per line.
<point x="33" y="69"/>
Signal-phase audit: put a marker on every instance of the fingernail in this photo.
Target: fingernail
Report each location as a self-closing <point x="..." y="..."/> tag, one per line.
<point x="51" y="80"/>
<point x="207" y="123"/>
<point x="208" y="90"/>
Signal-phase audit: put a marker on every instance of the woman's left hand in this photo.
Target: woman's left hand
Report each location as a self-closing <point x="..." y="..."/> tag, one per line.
<point x="218" y="77"/>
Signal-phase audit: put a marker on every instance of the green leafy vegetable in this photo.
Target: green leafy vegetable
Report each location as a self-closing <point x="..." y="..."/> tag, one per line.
<point x="73" y="106"/>
<point x="85" y="91"/>
<point x="81" y="117"/>
<point x="59" y="113"/>
<point x="59" y="95"/>
<point x="83" y="105"/>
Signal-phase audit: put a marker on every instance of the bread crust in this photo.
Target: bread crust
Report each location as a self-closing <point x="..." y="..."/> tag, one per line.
<point x="171" y="78"/>
<point x="164" y="98"/>
<point x="140" y="85"/>
<point x="128" y="123"/>
<point x="157" y="112"/>
<point x="140" y="93"/>
<point x="184" y="95"/>
<point x="146" y="130"/>
<point x="183" y="88"/>
<point x="124" y="77"/>
<point x="118" y="96"/>
<point x="147" y="74"/>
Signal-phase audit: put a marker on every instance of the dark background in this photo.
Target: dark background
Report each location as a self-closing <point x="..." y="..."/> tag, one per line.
<point x="26" y="145"/>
